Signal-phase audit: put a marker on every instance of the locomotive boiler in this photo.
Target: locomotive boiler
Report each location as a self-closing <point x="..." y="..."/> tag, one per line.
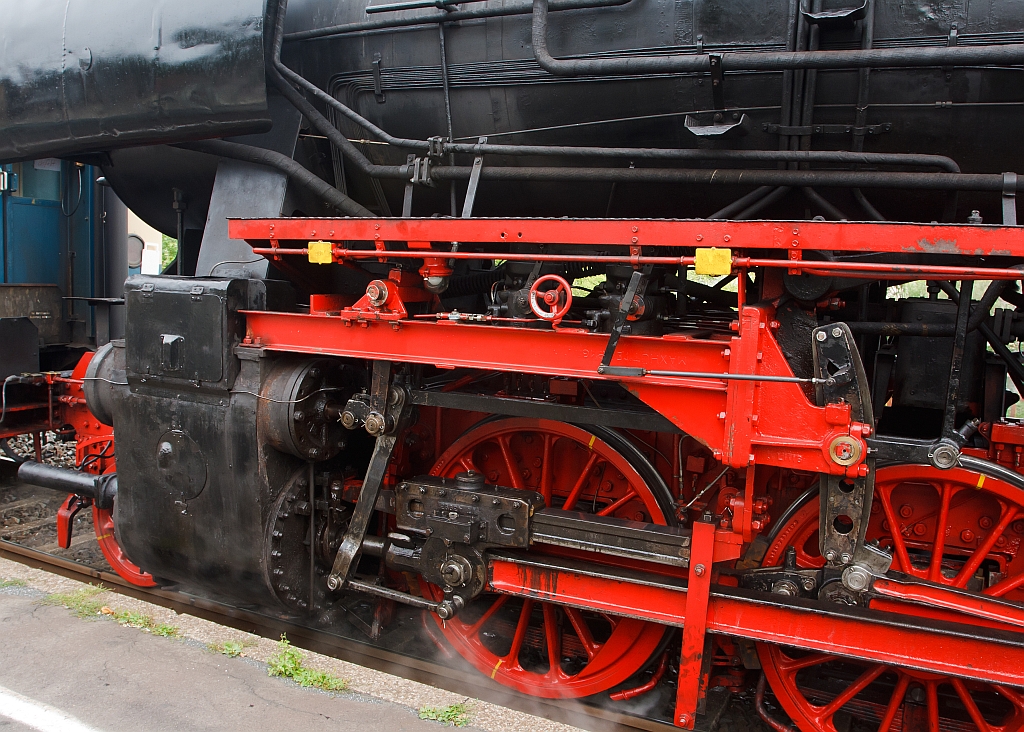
<point x="623" y="348"/>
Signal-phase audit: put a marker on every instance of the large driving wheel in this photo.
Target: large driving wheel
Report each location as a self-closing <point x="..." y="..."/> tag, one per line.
<point x="541" y="648"/>
<point x="947" y="526"/>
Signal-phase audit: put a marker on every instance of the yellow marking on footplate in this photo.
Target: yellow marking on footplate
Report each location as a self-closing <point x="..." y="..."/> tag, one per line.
<point x="981" y="482"/>
<point x="713" y="261"/>
<point x="495" y="669"/>
<point x="593" y="439"/>
<point x="320" y="252"/>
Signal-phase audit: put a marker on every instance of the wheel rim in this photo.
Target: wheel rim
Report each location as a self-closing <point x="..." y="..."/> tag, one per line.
<point x="540" y="648"/>
<point x="982" y="526"/>
<point x="103" y="524"/>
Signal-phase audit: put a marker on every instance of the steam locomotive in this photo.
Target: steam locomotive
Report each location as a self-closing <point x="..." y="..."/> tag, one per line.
<point x="642" y="347"/>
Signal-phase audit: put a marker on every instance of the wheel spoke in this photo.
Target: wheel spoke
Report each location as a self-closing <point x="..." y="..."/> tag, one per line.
<point x="547" y="470"/>
<point x="965" y="696"/>
<point x="1007" y="584"/>
<point x="510" y="462"/>
<point x="795" y="664"/>
<point x="1009" y="514"/>
<point x="1014" y="697"/>
<point x="898" y="544"/>
<point x="467" y="463"/>
<point x="512" y="657"/>
<point x="495" y="607"/>
<point x="574" y="494"/>
<point x="933" y="705"/>
<point x="609" y="510"/>
<point x="894" y="703"/>
<point x="855" y="688"/>
<point x="939" y="546"/>
<point x="553" y="640"/>
<point x="579" y="624"/>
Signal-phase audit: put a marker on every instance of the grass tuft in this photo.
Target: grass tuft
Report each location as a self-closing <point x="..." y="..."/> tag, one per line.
<point x="12" y="583"/>
<point x="287" y="662"/>
<point x="227" y="648"/>
<point x="165" y="630"/>
<point x="81" y="602"/>
<point x="454" y="715"/>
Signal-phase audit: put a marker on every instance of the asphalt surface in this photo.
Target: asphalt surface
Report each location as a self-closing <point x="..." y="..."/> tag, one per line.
<point x="111" y="678"/>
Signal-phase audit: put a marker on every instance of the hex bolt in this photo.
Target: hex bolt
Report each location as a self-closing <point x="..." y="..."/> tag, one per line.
<point x="830" y="556"/>
<point x="837" y="332"/>
<point x="820" y="335"/>
<point x="699" y="570"/>
<point x="333" y="582"/>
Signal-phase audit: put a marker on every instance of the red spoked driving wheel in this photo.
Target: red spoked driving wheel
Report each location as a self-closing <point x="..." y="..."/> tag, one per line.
<point x="953" y="527"/>
<point x="539" y="648"/>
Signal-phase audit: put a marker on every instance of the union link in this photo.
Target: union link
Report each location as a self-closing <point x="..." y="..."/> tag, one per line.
<point x="737" y="396"/>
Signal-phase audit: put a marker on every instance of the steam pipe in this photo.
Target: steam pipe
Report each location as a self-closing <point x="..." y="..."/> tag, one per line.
<point x="286" y="165"/>
<point x="1005" y="55"/>
<point x="319" y="121"/>
<point x="794" y="178"/>
<point x="743" y="156"/>
<point x="520" y="8"/>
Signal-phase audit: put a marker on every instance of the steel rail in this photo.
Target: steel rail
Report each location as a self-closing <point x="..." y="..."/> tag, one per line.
<point x="346" y="649"/>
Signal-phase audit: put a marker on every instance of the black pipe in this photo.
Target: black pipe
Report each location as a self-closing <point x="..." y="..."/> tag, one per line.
<point x="448" y="16"/>
<point x="776" y="195"/>
<point x="981" y="311"/>
<point x="745" y="156"/>
<point x="868" y="179"/>
<point x="102" y="489"/>
<point x="320" y="122"/>
<point x="814" y="197"/>
<point x="1004" y="55"/>
<point x="869" y="209"/>
<point x="795" y="178"/>
<point x="1012" y="360"/>
<point x="738" y="205"/>
<point x="286" y="165"/>
<point x="740" y="156"/>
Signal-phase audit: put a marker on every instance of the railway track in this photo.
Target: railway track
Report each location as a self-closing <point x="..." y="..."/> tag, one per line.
<point x="468" y="682"/>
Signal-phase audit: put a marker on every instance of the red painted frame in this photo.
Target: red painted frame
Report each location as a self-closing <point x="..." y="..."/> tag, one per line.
<point x="744" y="423"/>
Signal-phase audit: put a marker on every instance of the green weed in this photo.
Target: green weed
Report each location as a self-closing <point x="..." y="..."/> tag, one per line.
<point x="80" y="602"/>
<point x="454" y="715"/>
<point x="287" y="662"/>
<point x="227" y="648"/>
<point x="12" y="583"/>
<point x="166" y="631"/>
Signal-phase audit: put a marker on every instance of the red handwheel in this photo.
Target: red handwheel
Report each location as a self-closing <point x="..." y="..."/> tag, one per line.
<point x="552" y="304"/>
